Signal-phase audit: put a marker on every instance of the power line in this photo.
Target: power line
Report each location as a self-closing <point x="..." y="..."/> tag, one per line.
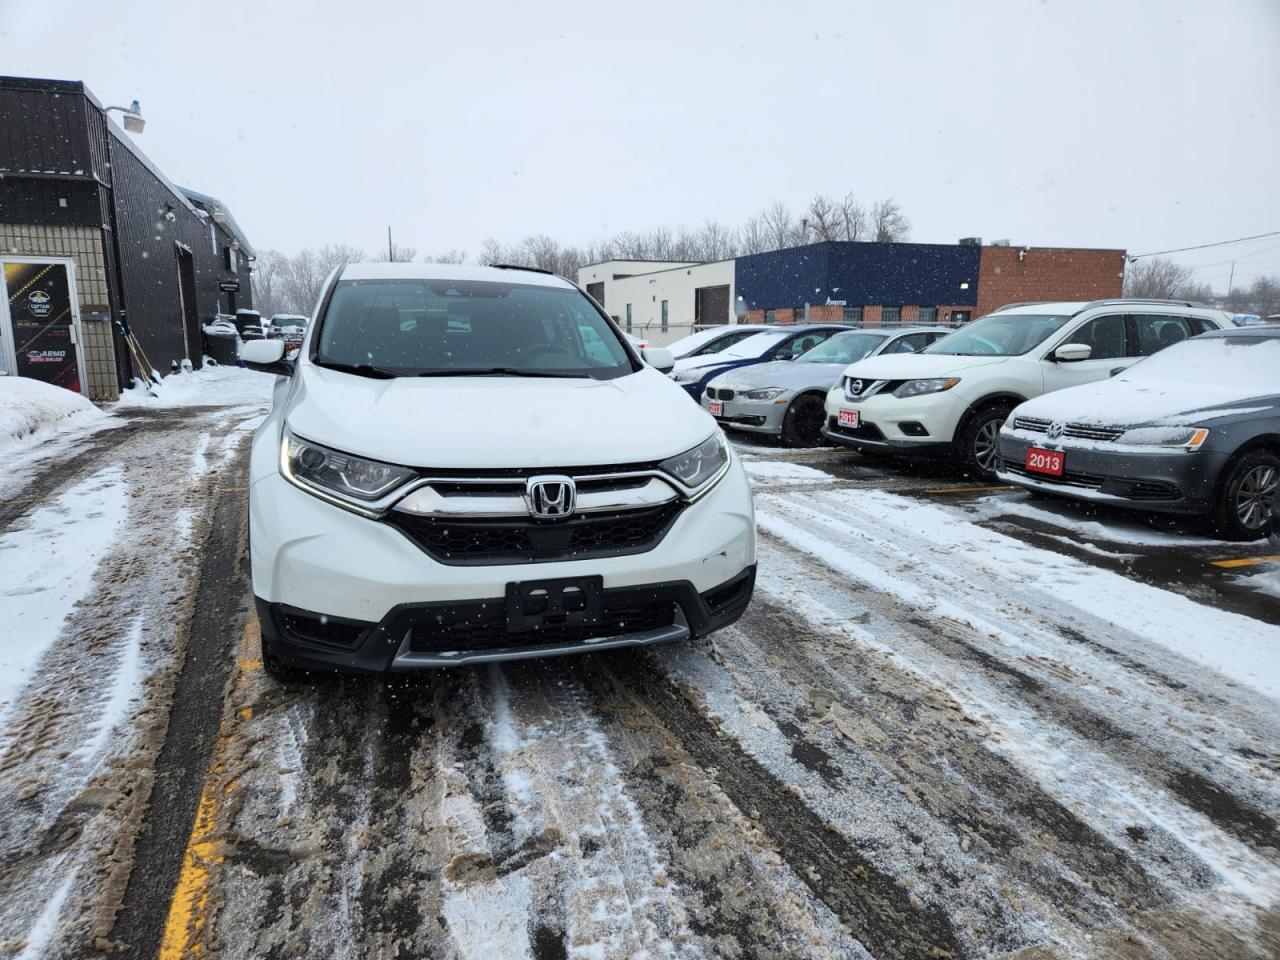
<point x="1203" y="246"/>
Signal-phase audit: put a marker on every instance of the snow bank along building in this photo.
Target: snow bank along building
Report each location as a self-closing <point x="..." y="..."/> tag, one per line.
<point x="866" y="284"/>
<point x="92" y="233"/>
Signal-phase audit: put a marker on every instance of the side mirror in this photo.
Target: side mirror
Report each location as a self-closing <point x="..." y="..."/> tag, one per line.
<point x="786" y="354"/>
<point x="661" y="360"/>
<point x="1072" y="352"/>
<point x="266" y="356"/>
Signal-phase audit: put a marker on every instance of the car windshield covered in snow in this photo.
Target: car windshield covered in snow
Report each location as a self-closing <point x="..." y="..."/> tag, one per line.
<point x="757" y="345"/>
<point x="467" y="328"/>
<point x="843" y="348"/>
<point x="1000" y="335"/>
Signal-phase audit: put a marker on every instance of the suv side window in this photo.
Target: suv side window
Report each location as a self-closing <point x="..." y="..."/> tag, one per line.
<point x="1201" y="325"/>
<point x="912" y="343"/>
<point x="806" y="342"/>
<point x="1156" y="331"/>
<point x="1105" y="334"/>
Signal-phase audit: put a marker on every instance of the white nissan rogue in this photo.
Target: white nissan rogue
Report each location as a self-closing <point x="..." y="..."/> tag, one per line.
<point x="953" y="397"/>
<point x="471" y="464"/>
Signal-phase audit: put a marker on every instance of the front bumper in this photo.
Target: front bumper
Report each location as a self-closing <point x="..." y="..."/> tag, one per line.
<point x="311" y="556"/>
<point x="914" y="426"/>
<point x="416" y="636"/>
<point x="754" y="416"/>
<point x="1158" y="479"/>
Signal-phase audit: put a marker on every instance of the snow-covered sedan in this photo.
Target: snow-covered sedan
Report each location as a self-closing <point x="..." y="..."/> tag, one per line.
<point x="472" y="464"/>
<point x="784" y="398"/>
<point x="1195" y="429"/>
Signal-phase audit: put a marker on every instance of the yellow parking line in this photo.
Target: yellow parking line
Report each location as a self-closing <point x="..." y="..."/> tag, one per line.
<point x="1245" y="562"/>
<point x="188" y="909"/>
<point x="982" y="489"/>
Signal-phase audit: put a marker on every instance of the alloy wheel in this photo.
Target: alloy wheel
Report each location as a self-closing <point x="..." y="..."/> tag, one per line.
<point x="1255" y="494"/>
<point x="986" y="444"/>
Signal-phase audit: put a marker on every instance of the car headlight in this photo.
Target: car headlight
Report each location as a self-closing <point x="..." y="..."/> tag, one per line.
<point x="349" y="480"/>
<point x="917" y="388"/>
<point x="1192" y="438"/>
<point x="764" y="393"/>
<point x="698" y="468"/>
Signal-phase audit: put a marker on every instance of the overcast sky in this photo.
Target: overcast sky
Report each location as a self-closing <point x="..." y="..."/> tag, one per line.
<point x="1104" y="123"/>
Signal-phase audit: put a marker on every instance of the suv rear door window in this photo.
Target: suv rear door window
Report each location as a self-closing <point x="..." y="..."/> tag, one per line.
<point x="1155" y="331"/>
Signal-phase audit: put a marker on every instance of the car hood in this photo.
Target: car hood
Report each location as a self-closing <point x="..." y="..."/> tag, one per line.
<point x="917" y="366"/>
<point x="781" y="373"/>
<point x="495" y="422"/>
<point x="1124" y="402"/>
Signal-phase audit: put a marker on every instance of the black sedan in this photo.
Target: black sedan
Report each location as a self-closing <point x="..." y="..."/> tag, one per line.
<point x="1194" y="429"/>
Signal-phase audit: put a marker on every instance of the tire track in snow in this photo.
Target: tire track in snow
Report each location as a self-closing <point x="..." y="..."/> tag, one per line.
<point x="965" y="623"/>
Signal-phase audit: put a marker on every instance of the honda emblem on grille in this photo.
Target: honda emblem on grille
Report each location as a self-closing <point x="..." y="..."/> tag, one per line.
<point x="550" y="497"/>
<point x="1055" y="429"/>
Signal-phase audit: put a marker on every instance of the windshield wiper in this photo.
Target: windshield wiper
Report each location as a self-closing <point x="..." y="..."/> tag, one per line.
<point x="498" y="372"/>
<point x="360" y="369"/>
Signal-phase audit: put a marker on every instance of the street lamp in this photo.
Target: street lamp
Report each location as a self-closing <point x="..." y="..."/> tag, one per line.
<point x="132" y="117"/>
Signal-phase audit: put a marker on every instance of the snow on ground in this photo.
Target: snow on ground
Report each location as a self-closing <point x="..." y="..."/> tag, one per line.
<point x="1266" y="582"/>
<point x="783" y="472"/>
<point x="1132" y="532"/>
<point x="31" y="410"/>
<point x="47" y="567"/>
<point x="212" y="384"/>
<point x="1238" y="647"/>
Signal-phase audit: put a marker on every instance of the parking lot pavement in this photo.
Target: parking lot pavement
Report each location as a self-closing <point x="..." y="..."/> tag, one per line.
<point x="935" y="734"/>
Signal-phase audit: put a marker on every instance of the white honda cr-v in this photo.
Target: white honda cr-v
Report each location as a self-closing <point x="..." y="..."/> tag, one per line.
<point x="471" y="464"/>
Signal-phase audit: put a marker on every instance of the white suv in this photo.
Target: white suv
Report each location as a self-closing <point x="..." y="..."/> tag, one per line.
<point x="952" y="398"/>
<point x="471" y="464"/>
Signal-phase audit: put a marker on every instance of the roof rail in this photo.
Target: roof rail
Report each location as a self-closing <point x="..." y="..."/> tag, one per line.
<point x="1121" y="300"/>
<point x="516" y="266"/>
<point x="1020" y="303"/>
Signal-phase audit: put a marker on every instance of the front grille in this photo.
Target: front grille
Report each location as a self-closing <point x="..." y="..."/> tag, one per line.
<point x="714" y="393"/>
<point x="483" y="626"/>
<point x="864" y="430"/>
<point x="1087" y="481"/>
<point x="1077" y="431"/>
<point x="1150" y="490"/>
<point x="473" y="541"/>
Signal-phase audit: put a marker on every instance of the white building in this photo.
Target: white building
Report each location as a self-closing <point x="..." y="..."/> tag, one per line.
<point x="662" y="300"/>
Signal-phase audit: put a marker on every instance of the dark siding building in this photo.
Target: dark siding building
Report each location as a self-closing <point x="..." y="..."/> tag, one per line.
<point x="86" y="216"/>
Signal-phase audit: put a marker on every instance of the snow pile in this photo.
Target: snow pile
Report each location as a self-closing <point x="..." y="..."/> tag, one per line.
<point x="211" y="385"/>
<point x="28" y="406"/>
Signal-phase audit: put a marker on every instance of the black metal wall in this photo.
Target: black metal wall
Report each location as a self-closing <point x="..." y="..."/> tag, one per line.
<point x="43" y="127"/>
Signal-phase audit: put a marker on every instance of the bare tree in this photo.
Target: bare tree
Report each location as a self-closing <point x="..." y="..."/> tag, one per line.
<point x="779" y="227"/>
<point x="825" y="218"/>
<point x="716" y="242"/>
<point x="754" y="236"/>
<point x="449" y="256"/>
<point x="398" y="253"/>
<point x="853" y="219"/>
<point x="1160" y="278"/>
<point x="889" y="222"/>
<point x="267" y="280"/>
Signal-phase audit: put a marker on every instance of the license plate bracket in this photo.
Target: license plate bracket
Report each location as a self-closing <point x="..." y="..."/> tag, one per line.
<point x="1049" y="462"/>
<point x="569" y="602"/>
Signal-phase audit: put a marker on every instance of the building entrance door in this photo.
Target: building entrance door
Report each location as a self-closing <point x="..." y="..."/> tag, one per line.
<point x="40" y="325"/>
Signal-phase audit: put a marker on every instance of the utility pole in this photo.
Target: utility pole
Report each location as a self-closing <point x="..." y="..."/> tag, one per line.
<point x="1231" y="279"/>
<point x="391" y="253"/>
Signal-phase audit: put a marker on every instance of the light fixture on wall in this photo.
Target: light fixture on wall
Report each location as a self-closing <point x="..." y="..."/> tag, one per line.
<point x="131" y="117"/>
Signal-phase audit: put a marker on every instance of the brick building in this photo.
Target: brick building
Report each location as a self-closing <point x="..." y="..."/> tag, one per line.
<point x="863" y="284"/>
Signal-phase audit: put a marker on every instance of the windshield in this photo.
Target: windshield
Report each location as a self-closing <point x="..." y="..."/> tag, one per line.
<point x="755" y="345"/>
<point x="442" y="327"/>
<point x="1249" y="363"/>
<point x="843" y="348"/>
<point x="999" y="335"/>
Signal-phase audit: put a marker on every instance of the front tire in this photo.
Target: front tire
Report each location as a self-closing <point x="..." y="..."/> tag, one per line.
<point x="977" y="445"/>
<point x="802" y="423"/>
<point x="1247" y="496"/>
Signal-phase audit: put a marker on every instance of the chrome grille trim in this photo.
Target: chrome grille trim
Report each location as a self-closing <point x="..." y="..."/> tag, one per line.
<point x="643" y="491"/>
